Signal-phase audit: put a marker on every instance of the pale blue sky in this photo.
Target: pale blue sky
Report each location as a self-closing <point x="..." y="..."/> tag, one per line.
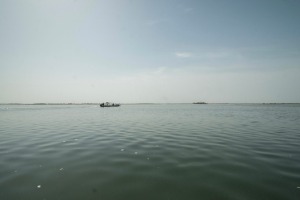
<point x="150" y="51"/>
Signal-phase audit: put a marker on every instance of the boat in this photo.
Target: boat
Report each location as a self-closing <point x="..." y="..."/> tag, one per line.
<point x="108" y="104"/>
<point x="200" y="102"/>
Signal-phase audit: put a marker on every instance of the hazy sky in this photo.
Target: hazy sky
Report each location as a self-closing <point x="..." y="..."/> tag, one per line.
<point x="149" y="51"/>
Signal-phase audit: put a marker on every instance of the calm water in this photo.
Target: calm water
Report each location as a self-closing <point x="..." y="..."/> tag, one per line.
<point x="181" y="151"/>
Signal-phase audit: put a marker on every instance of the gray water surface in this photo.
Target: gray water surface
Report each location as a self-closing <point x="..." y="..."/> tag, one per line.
<point x="159" y="151"/>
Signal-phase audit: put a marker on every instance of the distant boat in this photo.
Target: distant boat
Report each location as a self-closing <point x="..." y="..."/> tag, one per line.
<point x="200" y="102"/>
<point x="108" y="104"/>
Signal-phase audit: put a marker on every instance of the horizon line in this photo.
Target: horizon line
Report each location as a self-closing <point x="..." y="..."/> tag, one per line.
<point x="133" y="103"/>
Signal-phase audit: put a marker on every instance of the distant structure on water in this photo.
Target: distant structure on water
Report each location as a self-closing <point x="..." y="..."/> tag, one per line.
<point x="108" y="104"/>
<point x="200" y="102"/>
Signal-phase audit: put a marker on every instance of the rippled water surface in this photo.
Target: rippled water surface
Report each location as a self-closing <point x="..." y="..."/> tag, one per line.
<point x="172" y="151"/>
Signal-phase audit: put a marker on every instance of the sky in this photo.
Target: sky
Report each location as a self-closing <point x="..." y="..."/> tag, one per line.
<point x="141" y="51"/>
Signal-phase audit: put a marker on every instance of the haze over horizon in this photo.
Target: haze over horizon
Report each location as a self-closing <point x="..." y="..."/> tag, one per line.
<point x="166" y="51"/>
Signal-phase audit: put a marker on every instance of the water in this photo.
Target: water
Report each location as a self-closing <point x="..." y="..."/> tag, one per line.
<point x="173" y="151"/>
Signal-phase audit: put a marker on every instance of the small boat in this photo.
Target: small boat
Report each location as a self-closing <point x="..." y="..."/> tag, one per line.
<point x="108" y="104"/>
<point x="200" y="102"/>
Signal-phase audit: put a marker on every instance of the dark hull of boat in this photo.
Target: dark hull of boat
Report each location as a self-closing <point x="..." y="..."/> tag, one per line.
<point x="114" y="105"/>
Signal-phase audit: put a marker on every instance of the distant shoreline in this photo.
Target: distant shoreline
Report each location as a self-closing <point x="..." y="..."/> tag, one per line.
<point x="64" y="104"/>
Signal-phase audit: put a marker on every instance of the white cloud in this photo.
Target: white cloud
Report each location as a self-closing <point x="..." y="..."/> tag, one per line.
<point x="160" y="70"/>
<point x="183" y="54"/>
